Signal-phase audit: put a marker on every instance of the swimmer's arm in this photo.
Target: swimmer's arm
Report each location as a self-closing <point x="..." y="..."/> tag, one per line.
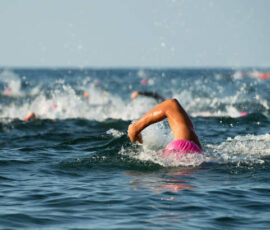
<point x="170" y="109"/>
<point x="134" y="135"/>
<point x="153" y="116"/>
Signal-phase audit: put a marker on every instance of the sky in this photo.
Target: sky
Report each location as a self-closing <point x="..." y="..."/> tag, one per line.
<point x="134" y="33"/>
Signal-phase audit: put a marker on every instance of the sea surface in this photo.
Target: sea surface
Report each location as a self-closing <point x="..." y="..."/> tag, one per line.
<point x="73" y="167"/>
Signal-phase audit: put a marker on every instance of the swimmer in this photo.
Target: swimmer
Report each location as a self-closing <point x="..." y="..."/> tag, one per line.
<point x="153" y="95"/>
<point x="30" y="117"/>
<point x="185" y="138"/>
<point x="7" y="91"/>
<point x="264" y="76"/>
<point x="86" y="95"/>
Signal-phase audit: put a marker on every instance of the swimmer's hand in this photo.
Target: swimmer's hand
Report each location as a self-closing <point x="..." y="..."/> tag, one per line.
<point x="133" y="135"/>
<point x="139" y="138"/>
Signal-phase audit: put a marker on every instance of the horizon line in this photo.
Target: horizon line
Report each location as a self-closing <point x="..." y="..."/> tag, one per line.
<point x="134" y="67"/>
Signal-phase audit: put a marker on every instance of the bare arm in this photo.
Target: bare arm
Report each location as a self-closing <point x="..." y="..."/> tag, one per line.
<point x="179" y="121"/>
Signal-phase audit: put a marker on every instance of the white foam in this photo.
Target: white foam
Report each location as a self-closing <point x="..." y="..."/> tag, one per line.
<point x="241" y="149"/>
<point x="12" y="83"/>
<point x="155" y="138"/>
<point x="145" y="154"/>
<point x="115" y="133"/>
<point x="223" y="105"/>
<point x="102" y="104"/>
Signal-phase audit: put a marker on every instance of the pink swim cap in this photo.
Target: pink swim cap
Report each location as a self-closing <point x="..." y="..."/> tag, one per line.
<point x="243" y="114"/>
<point x="144" y="81"/>
<point x="54" y="106"/>
<point x="182" y="147"/>
<point x="7" y="91"/>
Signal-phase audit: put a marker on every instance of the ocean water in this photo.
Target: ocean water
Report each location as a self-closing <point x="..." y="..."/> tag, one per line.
<point x="74" y="167"/>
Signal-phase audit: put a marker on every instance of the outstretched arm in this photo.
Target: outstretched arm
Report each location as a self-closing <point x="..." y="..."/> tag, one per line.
<point x="179" y="121"/>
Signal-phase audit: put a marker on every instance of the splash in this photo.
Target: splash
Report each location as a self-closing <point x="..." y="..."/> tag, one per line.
<point x="12" y="83"/>
<point x="155" y="138"/>
<point x="156" y="157"/>
<point x="108" y="94"/>
<point x="114" y="133"/>
<point x="248" y="149"/>
<point x="202" y="100"/>
<point x="63" y="101"/>
<point x="240" y="150"/>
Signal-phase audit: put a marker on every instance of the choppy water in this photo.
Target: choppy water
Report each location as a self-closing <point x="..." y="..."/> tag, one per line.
<point x="74" y="167"/>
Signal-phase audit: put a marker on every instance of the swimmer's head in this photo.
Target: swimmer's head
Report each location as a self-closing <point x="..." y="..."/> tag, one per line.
<point x="144" y="81"/>
<point x="7" y="91"/>
<point x="134" y="94"/>
<point x="86" y="95"/>
<point x="243" y="114"/>
<point x="264" y="76"/>
<point x="54" y="106"/>
<point x="31" y="116"/>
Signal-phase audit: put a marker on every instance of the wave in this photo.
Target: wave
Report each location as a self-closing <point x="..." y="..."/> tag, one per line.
<point x="108" y="94"/>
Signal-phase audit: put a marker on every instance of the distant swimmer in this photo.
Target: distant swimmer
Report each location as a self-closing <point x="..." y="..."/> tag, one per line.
<point x="264" y="76"/>
<point x="185" y="138"/>
<point x="144" y="81"/>
<point x="153" y="95"/>
<point x="30" y="117"/>
<point x="259" y="75"/>
<point x="86" y="95"/>
<point x="7" y="91"/>
<point x="243" y="114"/>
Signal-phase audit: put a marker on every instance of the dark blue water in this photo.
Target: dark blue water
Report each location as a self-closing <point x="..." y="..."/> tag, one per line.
<point x="74" y="168"/>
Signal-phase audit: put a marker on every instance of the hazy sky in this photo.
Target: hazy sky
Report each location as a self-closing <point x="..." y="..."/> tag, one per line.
<point x="135" y="33"/>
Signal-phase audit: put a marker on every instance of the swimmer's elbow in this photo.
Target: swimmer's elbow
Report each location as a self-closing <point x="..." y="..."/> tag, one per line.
<point x="172" y="102"/>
